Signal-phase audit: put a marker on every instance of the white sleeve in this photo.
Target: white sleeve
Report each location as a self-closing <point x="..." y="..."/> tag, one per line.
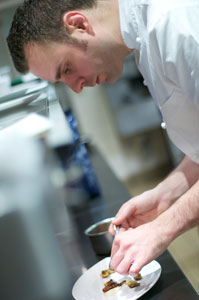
<point x="177" y="36"/>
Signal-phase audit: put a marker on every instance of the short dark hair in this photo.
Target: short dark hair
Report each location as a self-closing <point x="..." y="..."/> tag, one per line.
<point x="40" y="21"/>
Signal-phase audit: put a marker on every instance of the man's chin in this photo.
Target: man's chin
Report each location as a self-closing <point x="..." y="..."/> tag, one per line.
<point x="112" y="80"/>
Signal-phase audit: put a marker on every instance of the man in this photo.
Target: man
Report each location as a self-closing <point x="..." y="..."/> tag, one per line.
<point x="88" y="53"/>
<point x="84" y="43"/>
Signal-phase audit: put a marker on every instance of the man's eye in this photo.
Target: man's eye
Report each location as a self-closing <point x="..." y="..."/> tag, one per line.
<point x="67" y="70"/>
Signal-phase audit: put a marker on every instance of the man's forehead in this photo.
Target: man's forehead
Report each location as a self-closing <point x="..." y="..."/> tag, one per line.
<point x="33" y="49"/>
<point x="51" y="49"/>
<point x="39" y="61"/>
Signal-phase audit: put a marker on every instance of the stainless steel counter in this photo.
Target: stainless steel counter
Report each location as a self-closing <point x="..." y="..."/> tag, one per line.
<point x="47" y="105"/>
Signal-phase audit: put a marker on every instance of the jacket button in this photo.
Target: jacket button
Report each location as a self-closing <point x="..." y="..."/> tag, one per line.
<point x="144" y="82"/>
<point x="163" y="125"/>
<point x="138" y="40"/>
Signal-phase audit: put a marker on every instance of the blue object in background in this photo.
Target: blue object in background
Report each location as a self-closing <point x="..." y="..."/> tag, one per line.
<point x="80" y="157"/>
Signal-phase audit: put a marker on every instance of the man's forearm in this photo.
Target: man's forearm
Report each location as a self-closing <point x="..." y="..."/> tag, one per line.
<point x="179" y="181"/>
<point x="182" y="215"/>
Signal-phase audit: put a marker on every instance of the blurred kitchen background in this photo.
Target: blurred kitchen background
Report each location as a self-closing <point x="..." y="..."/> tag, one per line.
<point x="124" y="124"/>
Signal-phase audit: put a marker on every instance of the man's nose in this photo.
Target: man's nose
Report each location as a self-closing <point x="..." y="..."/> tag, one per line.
<point x="76" y="85"/>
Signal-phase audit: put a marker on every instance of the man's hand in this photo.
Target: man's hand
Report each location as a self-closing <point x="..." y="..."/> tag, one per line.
<point x="139" y="210"/>
<point x="134" y="248"/>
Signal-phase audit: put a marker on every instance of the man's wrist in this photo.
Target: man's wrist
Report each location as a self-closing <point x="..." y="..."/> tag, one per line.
<point x="164" y="195"/>
<point x="168" y="225"/>
<point x="181" y="216"/>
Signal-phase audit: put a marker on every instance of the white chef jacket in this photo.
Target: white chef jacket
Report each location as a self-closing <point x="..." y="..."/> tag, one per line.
<point x="165" y="35"/>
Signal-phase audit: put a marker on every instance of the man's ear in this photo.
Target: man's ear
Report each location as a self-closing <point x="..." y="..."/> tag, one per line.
<point x="76" y="21"/>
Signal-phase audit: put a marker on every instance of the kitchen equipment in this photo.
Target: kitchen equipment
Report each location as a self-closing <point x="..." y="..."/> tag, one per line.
<point x="32" y="265"/>
<point x="5" y="80"/>
<point x="19" y="101"/>
<point x="116" y="228"/>
<point x="99" y="236"/>
<point x="22" y="90"/>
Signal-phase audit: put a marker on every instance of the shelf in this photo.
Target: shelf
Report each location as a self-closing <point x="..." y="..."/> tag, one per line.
<point x="133" y="107"/>
<point x="136" y="118"/>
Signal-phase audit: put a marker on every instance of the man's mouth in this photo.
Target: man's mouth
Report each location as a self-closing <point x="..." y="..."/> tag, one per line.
<point x="98" y="81"/>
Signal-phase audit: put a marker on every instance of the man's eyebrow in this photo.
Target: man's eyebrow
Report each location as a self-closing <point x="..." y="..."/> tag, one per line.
<point x="58" y="73"/>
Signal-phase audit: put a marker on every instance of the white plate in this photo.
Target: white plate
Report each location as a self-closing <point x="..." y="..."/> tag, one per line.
<point x="22" y="90"/>
<point x="18" y="102"/>
<point x="89" y="286"/>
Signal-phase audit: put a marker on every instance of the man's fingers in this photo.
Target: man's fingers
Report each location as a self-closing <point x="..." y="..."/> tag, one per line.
<point x="125" y="265"/>
<point x="137" y="265"/>
<point x="116" y="261"/>
<point x="135" y="268"/>
<point x="123" y="226"/>
<point x="123" y="214"/>
<point x="115" y="247"/>
<point x="111" y="229"/>
<point x="116" y="254"/>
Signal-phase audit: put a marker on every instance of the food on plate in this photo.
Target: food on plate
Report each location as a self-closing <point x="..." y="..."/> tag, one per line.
<point x="109" y="285"/>
<point x="112" y="284"/>
<point x="106" y="273"/>
<point x="132" y="283"/>
<point x="138" y="277"/>
<point x="108" y="282"/>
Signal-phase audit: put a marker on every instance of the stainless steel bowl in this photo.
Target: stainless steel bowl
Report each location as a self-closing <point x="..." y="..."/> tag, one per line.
<point x="99" y="236"/>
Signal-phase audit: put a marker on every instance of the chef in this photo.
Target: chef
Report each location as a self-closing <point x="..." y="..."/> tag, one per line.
<point x="84" y="43"/>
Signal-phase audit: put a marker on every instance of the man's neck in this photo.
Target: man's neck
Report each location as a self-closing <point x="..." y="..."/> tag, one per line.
<point x="107" y="15"/>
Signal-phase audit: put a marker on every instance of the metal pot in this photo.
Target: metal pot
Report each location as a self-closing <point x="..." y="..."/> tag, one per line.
<point x="100" y="238"/>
